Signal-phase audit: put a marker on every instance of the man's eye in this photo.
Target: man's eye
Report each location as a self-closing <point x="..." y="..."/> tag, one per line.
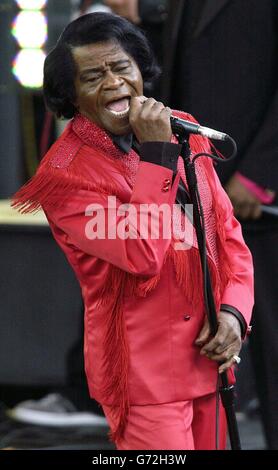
<point x="93" y="79"/>
<point x="121" y="69"/>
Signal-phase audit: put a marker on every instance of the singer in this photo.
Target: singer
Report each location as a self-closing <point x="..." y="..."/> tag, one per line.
<point x="150" y="361"/>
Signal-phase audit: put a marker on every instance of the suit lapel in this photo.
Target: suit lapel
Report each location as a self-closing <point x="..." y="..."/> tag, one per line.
<point x="210" y="10"/>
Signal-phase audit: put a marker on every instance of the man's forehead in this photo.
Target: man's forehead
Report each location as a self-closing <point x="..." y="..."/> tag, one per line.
<point x="99" y="52"/>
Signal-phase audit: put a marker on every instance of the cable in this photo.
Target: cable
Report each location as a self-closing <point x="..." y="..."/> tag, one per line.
<point x="217" y="158"/>
<point x="217" y="410"/>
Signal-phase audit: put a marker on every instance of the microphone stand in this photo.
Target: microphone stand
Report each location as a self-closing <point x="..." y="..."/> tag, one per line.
<point x="226" y="390"/>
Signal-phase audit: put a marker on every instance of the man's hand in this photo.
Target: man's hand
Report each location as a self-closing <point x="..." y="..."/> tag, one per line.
<point x="225" y="343"/>
<point x="246" y="205"/>
<point x="150" y="120"/>
<point x="126" y="8"/>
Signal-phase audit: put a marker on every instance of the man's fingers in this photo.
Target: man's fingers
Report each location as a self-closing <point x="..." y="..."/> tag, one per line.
<point x="226" y="365"/>
<point x="143" y="106"/>
<point x="246" y="209"/>
<point x="149" y="121"/>
<point x="220" y="344"/>
<point x="216" y="342"/>
<point x="136" y="103"/>
<point x="224" y="355"/>
<point x="243" y="211"/>
<point x="167" y="109"/>
<point x="203" y="335"/>
<point x="151" y="108"/>
<point x="257" y="211"/>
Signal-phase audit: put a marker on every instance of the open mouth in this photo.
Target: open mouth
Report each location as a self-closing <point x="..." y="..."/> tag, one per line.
<point x="119" y="107"/>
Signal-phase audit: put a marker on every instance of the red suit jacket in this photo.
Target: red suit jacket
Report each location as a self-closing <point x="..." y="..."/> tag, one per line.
<point x="143" y="299"/>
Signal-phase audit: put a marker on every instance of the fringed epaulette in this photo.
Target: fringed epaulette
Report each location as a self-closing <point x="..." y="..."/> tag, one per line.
<point x="54" y="180"/>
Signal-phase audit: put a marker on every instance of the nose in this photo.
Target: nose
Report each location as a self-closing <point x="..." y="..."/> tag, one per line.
<point x="112" y="81"/>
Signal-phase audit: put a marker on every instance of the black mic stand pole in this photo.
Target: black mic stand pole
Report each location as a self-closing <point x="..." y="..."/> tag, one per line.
<point x="226" y="390"/>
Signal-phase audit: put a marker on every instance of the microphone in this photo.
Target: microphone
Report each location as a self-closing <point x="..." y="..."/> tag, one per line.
<point x="180" y="126"/>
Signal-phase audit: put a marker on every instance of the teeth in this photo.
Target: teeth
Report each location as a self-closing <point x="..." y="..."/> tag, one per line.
<point x="119" y="113"/>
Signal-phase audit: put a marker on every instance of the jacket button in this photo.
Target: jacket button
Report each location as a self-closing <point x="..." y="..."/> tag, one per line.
<point x="186" y="317"/>
<point x="166" y="185"/>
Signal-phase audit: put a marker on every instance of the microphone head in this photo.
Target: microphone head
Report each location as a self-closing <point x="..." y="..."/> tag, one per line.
<point x="212" y="133"/>
<point x="183" y="127"/>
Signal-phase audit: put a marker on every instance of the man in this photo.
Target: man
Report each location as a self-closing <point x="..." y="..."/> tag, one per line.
<point x="149" y="357"/>
<point x="221" y="65"/>
<point x="150" y="16"/>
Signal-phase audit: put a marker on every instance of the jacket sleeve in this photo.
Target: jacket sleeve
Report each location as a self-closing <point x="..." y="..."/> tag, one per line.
<point x="139" y="252"/>
<point x="239" y="292"/>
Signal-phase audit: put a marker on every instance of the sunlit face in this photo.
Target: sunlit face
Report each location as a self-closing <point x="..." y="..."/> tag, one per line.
<point x="107" y="77"/>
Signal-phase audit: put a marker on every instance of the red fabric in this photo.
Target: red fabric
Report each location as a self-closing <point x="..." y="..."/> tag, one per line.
<point x="138" y="348"/>
<point x="184" y="425"/>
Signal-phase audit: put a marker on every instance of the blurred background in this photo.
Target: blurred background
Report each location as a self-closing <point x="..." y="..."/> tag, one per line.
<point x="43" y="391"/>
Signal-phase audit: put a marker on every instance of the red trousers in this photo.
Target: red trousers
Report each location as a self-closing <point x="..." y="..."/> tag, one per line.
<point x="184" y="425"/>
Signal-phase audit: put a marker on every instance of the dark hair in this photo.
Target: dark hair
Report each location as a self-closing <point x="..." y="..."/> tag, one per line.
<point x="59" y="66"/>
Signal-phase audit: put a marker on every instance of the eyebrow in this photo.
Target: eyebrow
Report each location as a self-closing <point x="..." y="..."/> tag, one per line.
<point x="85" y="72"/>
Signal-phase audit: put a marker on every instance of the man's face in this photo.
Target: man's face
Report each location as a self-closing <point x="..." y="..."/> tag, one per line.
<point x="107" y="77"/>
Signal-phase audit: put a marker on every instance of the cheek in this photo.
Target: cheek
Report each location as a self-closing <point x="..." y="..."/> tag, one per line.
<point x="87" y="98"/>
<point x="136" y="79"/>
<point x="137" y="83"/>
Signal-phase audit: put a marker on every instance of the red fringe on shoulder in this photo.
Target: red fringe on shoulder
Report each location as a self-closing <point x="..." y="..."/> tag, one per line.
<point x="59" y="175"/>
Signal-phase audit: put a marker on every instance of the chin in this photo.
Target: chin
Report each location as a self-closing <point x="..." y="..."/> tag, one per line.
<point x="122" y="131"/>
<point x="119" y="130"/>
